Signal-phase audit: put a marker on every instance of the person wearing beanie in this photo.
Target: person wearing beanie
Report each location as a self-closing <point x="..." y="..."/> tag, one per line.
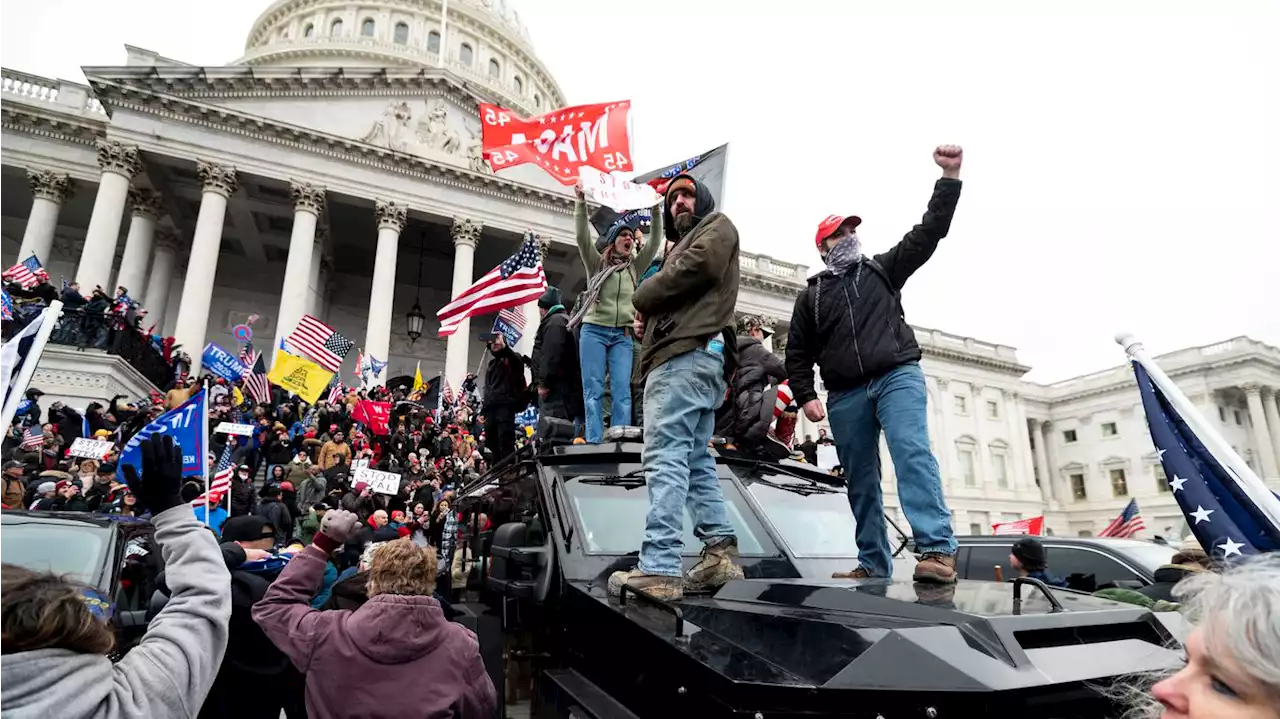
<point x="849" y="322"/>
<point x="556" y="371"/>
<point x="605" y="313"/>
<point x="688" y="352"/>
<point x="276" y="513"/>
<point x="1190" y="559"/>
<point x="1030" y="559"/>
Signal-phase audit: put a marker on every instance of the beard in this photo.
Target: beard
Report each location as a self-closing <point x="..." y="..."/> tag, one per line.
<point x="684" y="222"/>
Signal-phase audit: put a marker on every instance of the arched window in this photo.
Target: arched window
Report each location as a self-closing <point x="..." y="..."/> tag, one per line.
<point x="495" y="69"/>
<point x="537" y="101"/>
<point x="335" y="29"/>
<point x="309" y="31"/>
<point x="433" y="41"/>
<point x="367" y="27"/>
<point x="519" y="85"/>
<point x="465" y="54"/>
<point x="402" y="33"/>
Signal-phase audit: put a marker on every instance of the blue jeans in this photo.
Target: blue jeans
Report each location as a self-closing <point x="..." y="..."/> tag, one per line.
<point x="680" y="400"/>
<point x="600" y="347"/>
<point x="897" y="403"/>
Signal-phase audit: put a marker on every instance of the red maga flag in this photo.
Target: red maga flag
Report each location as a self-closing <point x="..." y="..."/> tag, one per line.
<point x="374" y="415"/>
<point x="559" y="142"/>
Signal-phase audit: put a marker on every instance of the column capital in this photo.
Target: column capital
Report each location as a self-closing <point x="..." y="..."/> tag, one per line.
<point x="117" y="158"/>
<point x="144" y="202"/>
<point x="220" y="179"/>
<point x="166" y="238"/>
<point x="390" y="215"/>
<point x="307" y="197"/>
<point x="49" y="185"/>
<point x="466" y="231"/>
<point x="1251" y="388"/>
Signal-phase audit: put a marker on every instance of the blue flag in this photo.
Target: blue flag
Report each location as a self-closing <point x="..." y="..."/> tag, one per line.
<point x="186" y="425"/>
<point x="1221" y="513"/>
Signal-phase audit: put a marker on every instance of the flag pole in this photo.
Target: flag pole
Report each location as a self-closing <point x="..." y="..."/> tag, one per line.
<point x="204" y="461"/>
<point x="1244" y="477"/>
<point x="18" y="389"/>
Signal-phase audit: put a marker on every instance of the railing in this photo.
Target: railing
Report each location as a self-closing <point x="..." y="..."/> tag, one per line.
<point x="25" y="86"/>
<point x="97" y="330"/>
<point x="766" y="265"/>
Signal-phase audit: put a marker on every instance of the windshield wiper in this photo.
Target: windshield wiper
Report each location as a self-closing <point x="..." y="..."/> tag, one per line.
<point x="811" y="486"/>
<point x="631" y="480"/>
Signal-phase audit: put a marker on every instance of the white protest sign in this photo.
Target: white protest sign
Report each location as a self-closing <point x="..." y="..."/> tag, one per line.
<point x="827" y="457"/>
<point x="233" y="428"/>
<point x="90" y="448"/>
<point x="615" y="192"/>
<point x="380" y="482"/>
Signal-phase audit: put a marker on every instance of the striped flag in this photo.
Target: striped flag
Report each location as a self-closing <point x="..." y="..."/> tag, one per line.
<point x="6" y="305"/>
<point x="336" y="390"/>
<point x="1127" y="524"/>
<point x="518" y="280"/>
<point x="24" y="273"/>
<point x="33" y="438"/>
<point x="448" y="393"/>
<point x="255" y="380"/>
<point x="320" y="342"/>
<point x="221" y="482"/>
<point x="785" y="399"/>
<point x="513" y="318"/>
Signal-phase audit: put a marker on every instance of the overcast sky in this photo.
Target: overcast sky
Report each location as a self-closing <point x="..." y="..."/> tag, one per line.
<point x="1118" y="170"/>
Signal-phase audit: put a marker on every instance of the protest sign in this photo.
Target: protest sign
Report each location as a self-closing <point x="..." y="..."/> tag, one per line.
<point x="299" y="376"/>
<point x="187" y="424"/>
<point x="607" y="188"/>
<point x="222" y="363"/>
<point x="1032" y="525"/>
<point x="509" y="331"/>
<point x="90" y="448"/>
<point x="380" y="482"/>
<point x="245" y="430"/>
<point x="707" y="168"/>
<point x="359" y="463"/>
<point x="827" y="456"/>
<point x="559" y="142"/>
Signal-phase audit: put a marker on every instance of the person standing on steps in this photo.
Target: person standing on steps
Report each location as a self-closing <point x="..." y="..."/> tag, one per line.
<point x="849" y="321"/>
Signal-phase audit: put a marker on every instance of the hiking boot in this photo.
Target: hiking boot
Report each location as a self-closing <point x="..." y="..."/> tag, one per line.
<point x="858" y="573"/>
<point x="658" y="586"/>
<point x="936" y="567"/>
<point x="716" y="567"/>
<point x="784" y="429"/>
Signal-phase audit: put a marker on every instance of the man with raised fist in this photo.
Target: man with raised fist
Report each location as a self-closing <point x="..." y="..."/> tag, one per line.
<point x="849" y="321"/>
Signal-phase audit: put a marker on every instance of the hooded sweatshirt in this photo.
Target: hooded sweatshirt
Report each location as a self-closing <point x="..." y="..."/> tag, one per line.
<point x="613" y="305"/>
<point x="168" y="674"/>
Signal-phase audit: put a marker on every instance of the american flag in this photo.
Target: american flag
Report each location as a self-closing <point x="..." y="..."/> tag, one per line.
<point x="1230" y="514"/>
<point x="6" y="305"/>
<point x="513" y="318"/>
<point x="448" y="393"/>
<point x="320" y="342"/>
<point x="517" y="280"/>
<point x="336" y="390"/>
<point x="255" y="379"/>
<point x="221" y="482"/>
<point x="24" y="273"/>
<point x="33" y="438"/>
<point x="1127" y="524"/>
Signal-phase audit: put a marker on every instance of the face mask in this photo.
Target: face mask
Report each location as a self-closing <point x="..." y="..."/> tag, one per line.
<point x="844" y="255"/>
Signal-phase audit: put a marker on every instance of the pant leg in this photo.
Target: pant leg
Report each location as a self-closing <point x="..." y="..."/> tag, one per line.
<point x="901" y="403"/>
<point x="706" y="497"/>
<point x="674" y="408"/>
<point x="620" y="354"/>
<point x="637" y="389"/>
<point x="857" y="437"/>
<point x="591" y="350"/>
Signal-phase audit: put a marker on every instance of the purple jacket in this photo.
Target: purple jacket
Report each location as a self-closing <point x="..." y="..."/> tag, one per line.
<point x="396" y="656"/>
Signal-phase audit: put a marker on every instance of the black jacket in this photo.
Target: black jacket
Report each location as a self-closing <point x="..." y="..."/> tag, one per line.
<point x="757" y="368"/>
<point x="243" y="497"/>
<point x="1167" y="577"/>
<point x="853" y="326"/>
<point x="504" y="382"/>
<point x="278" y="514"/>
<point x="555" y="358"/>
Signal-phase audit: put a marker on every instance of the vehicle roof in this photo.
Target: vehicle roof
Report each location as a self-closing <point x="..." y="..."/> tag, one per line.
<point x="1117" y="542"/>
<point x="26" y="516"/>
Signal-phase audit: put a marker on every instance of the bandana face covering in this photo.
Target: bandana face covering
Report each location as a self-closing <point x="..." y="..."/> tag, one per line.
<point x="844" y="255"/>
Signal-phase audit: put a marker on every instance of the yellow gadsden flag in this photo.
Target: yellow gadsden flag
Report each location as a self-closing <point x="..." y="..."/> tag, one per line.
<point x="417" y="378"/>
<point x="300" y="376"/>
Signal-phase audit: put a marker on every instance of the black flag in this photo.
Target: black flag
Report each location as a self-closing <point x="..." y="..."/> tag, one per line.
<point x="707" y="168"/>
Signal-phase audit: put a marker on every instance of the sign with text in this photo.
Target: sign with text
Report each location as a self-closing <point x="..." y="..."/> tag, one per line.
<point x="186" y="424"/>
<point x="509" y="331"/>
<point x="1032" y="525"/>
<point x="607" y="188"/>
<point x="245" y="430"/>
<point x="359" y="463"/>
<point x="90" y="448"/>
<point x="559" y="142"/>
<point x="707" y="169"/>
<point x="380" y="482"/>
<point x="222" y="363"/>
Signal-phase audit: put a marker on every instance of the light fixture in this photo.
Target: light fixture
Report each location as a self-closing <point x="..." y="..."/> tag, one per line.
<point x="415" y="319"/>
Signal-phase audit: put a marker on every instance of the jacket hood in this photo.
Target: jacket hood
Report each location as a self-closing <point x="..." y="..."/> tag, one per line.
<point x="703" y="205"/>
<point x="54" y="682"/>
<point x="396" y="629"/>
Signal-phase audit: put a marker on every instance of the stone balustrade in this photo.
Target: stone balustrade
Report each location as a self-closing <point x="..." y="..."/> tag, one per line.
<point x="765" y="265"/>
<point x="33" y="88"/>
<point x="945" y="341"/>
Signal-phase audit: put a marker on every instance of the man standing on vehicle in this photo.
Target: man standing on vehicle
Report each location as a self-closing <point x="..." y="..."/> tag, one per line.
<point x="687" y="356"/>
<point x="849" y="321"/>
<point x="556" y="371"/>
<point x="505" y="393"/>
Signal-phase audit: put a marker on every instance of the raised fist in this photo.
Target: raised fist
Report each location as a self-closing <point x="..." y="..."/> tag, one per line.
<point x="949" y="157"/>
<point x="339" y="525"/>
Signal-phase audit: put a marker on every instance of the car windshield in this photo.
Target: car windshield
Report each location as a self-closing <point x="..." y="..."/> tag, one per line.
<point x="69" y="550"/>
<point x="612" y="517"/>
<point x="1150" y="556"/>
<point x="817" y="525"/>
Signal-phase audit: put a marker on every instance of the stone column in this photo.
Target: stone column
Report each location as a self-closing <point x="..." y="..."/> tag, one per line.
<point x="145" y="205"/>
<point x="1272" y="413"/>
<point x="978" y="409"/>
<point x="1042" y="461"/>
<point x="466" y="235"/>
<point x="1261" y="437"/>
<point x="156" y="299"/>
<point x="219" y="183"/>
<point x="1046" y="438"/>
<point x="946" y="442"/>
<point x="308" y="203"/>
<point x="391" y="220"/>
<point x="119" y="164"/>
<point x="50" y="189"/>
<point x="315" y="291"/>
<point x="1024" y="474"/>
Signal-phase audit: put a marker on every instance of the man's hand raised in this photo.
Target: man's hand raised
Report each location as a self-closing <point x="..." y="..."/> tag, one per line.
<point x="160" y="486"/>
<point x="949" y="158"/>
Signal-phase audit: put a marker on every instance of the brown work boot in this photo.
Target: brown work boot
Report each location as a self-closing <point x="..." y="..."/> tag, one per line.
<point x="936" y="567"/>
<point x="656" y="585"/>
<point x="858" y="573"/>
<point x="716" y="567"/>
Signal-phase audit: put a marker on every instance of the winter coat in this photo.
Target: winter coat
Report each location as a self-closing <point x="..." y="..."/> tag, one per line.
<point x="504" y="382"/>
<point x="555" y="361"/>
<point x="277" y="513"/>
<point x="308" y="525"/>
<point x="331" y="452"/>
<point x="310" y="490"/>
<point x="1167" y="577"/>
<point x="613" y="306"/>
<point x="692" y="298"/>
<point x="243" y="497"/>
<point x="757" y="368"/>
<point x="853" y="326"/>
<point x="168" y="674"/>
<point x="395" y="656"/>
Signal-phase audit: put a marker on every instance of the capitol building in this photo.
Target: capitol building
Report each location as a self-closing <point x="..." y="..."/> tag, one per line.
<point x="335" y="169"/>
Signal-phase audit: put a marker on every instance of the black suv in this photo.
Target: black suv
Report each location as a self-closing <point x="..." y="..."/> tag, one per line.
<point x="1086" y="563"/>
<point x="788" y="640"/>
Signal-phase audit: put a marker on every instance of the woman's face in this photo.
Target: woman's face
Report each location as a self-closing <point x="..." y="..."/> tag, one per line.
<point x="277" y="471"/>
<point x="418" y="508"/>
<point x="129" y="499"/>
<point x="1211" y="687"/>
<point x="626" y="240"/>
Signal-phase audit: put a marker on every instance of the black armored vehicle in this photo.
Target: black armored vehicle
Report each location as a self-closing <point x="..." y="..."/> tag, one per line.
<point x="787" y="641"/>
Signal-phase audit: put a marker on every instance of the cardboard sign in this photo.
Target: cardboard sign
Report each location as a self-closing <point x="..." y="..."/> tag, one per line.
<point x="221" y="363"/>
<point x="1032" y="525"/>
<point x="380" y="482"/>
<point x="612" y="191"/>
<point x="245" y="430"/>
<point x="90" y="448"/>
<point x="359" y="463"/>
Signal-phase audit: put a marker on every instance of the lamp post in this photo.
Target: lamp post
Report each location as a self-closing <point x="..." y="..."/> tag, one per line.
<point x="415" y="319"/>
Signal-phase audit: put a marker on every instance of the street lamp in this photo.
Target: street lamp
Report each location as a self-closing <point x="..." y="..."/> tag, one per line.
<point x="415" y="319"/>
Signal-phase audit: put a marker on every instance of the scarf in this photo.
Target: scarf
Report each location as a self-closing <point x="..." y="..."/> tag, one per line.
<point x="844" y="255"/>
<point x="611" y="265"/>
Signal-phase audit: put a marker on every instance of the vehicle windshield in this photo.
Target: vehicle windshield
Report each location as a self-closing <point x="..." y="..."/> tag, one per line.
<point x="1150" y="556"/>
<point x="73" y="551"/>
<point x="612" y="517"/>
<point x="817" y="525"/>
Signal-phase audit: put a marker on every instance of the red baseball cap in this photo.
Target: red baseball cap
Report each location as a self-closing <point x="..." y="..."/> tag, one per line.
<point x="831" y="224"/>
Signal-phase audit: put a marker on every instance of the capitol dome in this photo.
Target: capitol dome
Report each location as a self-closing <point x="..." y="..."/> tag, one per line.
<point x="486" y="43"/>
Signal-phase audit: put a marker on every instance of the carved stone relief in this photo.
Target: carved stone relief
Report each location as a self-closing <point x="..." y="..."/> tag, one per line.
<point x="430" y="136"/>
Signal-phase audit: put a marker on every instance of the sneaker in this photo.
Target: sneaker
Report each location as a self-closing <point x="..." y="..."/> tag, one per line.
<point x="716" y="567"/>
<point x="658" y="586"/>
<point x="858" y="573"/>
<point x="936" y="567"/>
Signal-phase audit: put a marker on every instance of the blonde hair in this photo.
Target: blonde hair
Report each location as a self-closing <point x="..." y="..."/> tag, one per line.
<point x="402" y="567"/>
